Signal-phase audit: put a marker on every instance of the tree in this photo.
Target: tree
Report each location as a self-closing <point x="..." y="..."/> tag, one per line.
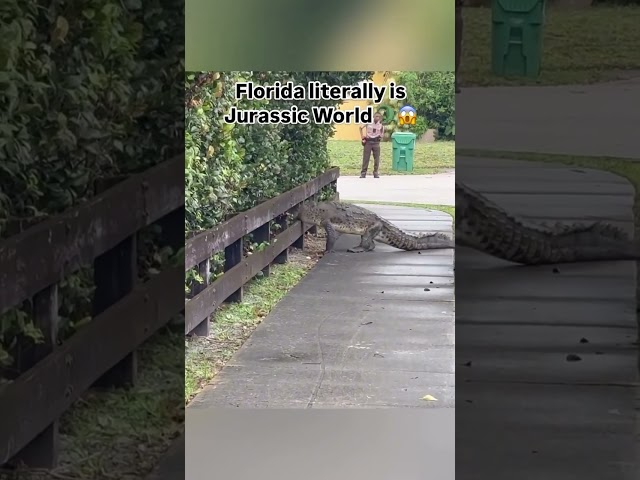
<point x="432" y="94"/>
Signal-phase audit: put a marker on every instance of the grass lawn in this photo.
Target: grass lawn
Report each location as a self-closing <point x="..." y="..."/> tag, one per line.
<point x="122" y="434"/>
<point x="448" y="209"/>
<point x="429" y="158"/>
<point x="619" y="166"/>
<point x="579" y="46"/>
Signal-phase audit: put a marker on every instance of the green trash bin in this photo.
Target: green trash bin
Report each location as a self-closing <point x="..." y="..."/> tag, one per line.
<point x="403" y="145"/>
<point x="516" y="37"/>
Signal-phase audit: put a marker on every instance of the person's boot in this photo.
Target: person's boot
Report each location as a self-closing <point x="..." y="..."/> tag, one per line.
<point x="375" y="175"/>
<point x="363" y="175"/>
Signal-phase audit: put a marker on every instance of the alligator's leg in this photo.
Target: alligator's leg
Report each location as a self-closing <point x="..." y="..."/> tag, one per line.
<point x="357" y="249"/>
<point x="366" y="242"/>
<point x="368" y="238"/>
<point x="332" y="236"/>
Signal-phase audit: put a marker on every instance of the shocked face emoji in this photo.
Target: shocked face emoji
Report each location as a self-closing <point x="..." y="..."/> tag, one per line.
<point x="407" y="116"/>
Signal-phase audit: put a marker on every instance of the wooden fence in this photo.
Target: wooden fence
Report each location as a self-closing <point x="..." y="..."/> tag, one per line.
<point x="228" y="237"/>
<point x="102" y="232"/>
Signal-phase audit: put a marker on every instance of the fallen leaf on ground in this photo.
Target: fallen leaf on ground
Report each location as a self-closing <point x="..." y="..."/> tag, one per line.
<point x="430" y="398"/>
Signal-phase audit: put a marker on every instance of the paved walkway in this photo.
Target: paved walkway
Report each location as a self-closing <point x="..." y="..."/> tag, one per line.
<point x="361" y="330"/>
<point x="426" y="189"/>
<point x="523" y="406"/>
<point x="596" y="120"/>
<point x="371" y="330"/>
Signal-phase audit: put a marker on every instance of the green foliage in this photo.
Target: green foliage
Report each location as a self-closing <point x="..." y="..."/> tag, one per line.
<point x="432" y="94"/>
<point x="69" y="115"/>
<point x="86" y="92"/>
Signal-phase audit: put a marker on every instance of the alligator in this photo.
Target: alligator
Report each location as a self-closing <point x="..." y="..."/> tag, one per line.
<point x="338" y="217"/>
<point x="486" y="227"/>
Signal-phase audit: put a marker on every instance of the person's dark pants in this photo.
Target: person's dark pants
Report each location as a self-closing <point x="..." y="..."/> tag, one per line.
<point x="371" y="146"/>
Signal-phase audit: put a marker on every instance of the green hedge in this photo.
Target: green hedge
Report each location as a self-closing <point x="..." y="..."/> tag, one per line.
<point x="89" y="91"/>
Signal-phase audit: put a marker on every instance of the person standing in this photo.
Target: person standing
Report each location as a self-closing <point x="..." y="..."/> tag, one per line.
<point x="371" y="135"/>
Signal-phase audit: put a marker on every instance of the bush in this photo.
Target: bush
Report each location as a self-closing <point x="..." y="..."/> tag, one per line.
<point x="85" y="104"/>
<point x="87" y="91"/>
<point x="432" y="94"/>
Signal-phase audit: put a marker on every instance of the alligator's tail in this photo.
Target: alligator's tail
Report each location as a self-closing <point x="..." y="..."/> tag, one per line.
<point x="392" y="235"/>
<point x="545" y="253"/>
<point x="596" y="242"/>
<point x="488" y="228"/>
<point x="513" y="241"/>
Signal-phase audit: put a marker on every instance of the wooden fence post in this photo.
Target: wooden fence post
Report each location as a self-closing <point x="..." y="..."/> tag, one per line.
<point x="284" y="256"/>
<point x="115" y="274"/>
<point x="202" y="329"/>
<point x="261" y="235"/>
<point x="334" y="189"/>
<point x="233" y="256"/>
<point x="173" y="228"/>
<point x="43" y="451"/>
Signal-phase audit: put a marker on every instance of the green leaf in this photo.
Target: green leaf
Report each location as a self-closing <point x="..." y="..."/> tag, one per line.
<point x="34" y="333"/>
<point x="60" y="31"/>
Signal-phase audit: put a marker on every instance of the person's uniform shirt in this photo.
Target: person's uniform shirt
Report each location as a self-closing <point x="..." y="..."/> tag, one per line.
<point x="374" y="130"/>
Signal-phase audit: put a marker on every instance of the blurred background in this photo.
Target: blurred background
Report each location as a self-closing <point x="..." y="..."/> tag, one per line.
<point x="329" y="35"/>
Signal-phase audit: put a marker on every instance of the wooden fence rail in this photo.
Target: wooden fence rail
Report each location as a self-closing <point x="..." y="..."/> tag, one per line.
<point x="228" y="237"/>
<point x="103" y="233"/>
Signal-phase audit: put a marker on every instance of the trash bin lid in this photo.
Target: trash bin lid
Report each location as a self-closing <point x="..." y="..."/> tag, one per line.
<point x="403" y="138"/>
<point x="518" y="6"/>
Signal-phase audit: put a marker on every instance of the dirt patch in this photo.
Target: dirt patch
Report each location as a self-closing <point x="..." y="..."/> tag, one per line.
<point x="313" y="250"/>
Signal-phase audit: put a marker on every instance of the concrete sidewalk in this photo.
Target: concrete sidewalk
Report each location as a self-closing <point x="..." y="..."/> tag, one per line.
<point x="547" y="417"/>
<point x="435" y="189"/>
<point x="599" y="120"/>
<point x="360" y="330"/>
<point x="370" y="330"/>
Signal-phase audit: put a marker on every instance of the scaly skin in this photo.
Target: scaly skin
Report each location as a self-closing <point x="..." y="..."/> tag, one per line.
<point x="484" y="226"/>
<point x="337" y="218"/>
